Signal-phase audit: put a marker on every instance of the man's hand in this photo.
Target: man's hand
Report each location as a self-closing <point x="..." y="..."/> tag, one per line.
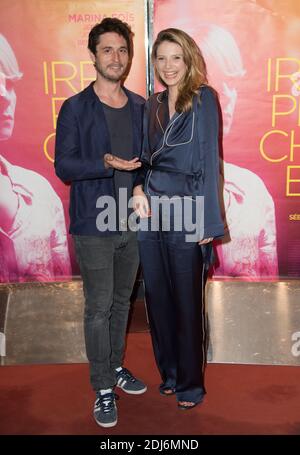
<point x="140" y="203"/>
<point x="120" y="164"/>
<point x="204" y="241"/>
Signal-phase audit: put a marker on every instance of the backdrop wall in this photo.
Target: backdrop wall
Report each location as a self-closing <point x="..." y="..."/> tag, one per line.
<point x="252" y="53"/>
<point x="43" y="60"/>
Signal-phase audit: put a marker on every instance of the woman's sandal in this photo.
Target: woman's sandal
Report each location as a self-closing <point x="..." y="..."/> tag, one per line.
<point x="186" y="407"/>
<point x="167" y="392"/>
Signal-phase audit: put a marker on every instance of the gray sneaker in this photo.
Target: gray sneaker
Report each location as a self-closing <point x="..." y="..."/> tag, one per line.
<point x="105" y="410"/>
<point x="127" y="382"/>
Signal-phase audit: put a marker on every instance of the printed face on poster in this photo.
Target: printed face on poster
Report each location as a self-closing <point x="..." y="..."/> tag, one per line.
<point x="252" y="55"/>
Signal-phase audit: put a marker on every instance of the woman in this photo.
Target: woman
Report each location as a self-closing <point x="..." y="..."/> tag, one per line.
<point x="180" y="161"/>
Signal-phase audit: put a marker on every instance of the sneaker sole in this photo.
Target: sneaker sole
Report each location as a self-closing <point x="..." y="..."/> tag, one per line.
<point x="106" y="425"/>
<point x="133" y="392"/>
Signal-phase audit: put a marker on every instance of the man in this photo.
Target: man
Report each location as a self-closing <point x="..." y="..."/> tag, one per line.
<point x="33" y="238"/>
<point x="98" y="135"/>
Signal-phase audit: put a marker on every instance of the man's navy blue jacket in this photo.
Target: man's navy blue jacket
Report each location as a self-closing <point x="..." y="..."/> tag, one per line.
<point x="82" y="139"/>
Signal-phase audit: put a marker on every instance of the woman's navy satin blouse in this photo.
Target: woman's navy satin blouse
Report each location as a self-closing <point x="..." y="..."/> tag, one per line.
<point x="181" y="155"/>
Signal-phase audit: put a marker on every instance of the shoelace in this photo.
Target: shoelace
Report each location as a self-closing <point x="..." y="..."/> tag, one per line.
<point x="106" y="402"/>
<point x="125" y="374"/>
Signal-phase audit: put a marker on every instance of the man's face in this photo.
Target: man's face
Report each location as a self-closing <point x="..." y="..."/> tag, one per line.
<point x="8" y="101"/>
<point x="112" y="57"/>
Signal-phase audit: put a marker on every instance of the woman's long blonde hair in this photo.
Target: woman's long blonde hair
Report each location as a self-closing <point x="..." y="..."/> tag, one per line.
<point x="196" y="74"/>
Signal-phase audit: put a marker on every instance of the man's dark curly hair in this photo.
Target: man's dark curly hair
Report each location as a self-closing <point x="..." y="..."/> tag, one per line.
<point x="110" y="24"/>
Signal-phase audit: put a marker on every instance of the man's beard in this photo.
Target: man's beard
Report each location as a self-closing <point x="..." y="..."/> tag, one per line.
<point x="107" y="76"/>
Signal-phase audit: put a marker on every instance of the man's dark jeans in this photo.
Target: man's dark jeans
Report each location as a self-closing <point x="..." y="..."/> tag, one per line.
<point x="108" y="268"/>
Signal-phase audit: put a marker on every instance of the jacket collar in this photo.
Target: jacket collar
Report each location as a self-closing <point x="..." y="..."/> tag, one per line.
<point x="89" y="92"/>
<point x="135" y="109"/>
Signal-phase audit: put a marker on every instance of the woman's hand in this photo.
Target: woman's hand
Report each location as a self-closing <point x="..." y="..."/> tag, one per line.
<point x="120" y="164"/>
<point x="140" y="203"/>
<point x="204" y="241"/>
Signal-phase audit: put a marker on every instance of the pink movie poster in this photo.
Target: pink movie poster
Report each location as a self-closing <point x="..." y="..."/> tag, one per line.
<point x="252" y="52"/>
<point x="43" y="60"/>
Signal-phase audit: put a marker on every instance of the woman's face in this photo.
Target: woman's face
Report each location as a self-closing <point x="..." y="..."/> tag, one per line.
<point x="169" y="63"/>
<point x="8" y="101"/>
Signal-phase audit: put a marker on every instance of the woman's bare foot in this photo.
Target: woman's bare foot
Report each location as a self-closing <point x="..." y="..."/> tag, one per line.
<point x="167" y="392"/>
<point x="186" y="405"/>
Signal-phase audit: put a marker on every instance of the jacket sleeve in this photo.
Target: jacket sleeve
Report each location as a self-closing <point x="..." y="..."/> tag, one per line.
<point x="69" y="164"/>
<point x="213" y="223"/>
<point x="144" y="157"/>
